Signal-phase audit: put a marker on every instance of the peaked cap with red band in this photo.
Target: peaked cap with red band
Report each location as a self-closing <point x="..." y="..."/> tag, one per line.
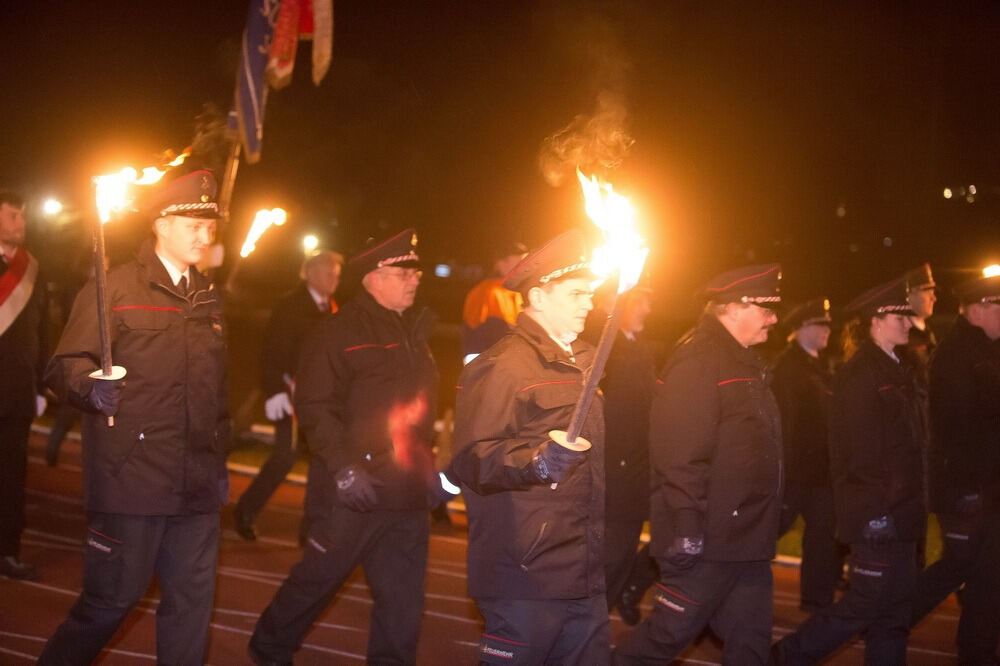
<point x="397" y="250"/>
<point x="564" y="256"/>
<point x="919" y="277"/>
<point x="888" y="298"/>
<point x="811" y="312"/>
<point x="191" y="195"/>
<point x="759" y="284"/>
<point x="982" y="290"/>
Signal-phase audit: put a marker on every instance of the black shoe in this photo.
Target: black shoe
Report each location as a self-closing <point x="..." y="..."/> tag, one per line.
<point x="628" y="605"/>
<point x="11" y="567"/>
<point x="778" y="655"/>
<point x="261" y="659"/>
<point x="244" y="525"/>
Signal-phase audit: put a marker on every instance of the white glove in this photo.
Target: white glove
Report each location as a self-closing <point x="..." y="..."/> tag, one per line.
<point x="40" y="404"/>
<point x="278" y="406"/>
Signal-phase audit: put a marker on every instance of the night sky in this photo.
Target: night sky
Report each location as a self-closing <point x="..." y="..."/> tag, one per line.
<point x="821" y="135"/>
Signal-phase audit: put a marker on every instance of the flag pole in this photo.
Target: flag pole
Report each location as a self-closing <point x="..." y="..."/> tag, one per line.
<point x="229" y="179"/>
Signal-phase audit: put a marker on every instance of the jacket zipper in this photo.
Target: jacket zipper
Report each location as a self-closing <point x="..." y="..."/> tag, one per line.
<point x="534" y="545"/>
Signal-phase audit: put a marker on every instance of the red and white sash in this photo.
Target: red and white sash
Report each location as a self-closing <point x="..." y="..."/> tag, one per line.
<point x="16" y="287"/>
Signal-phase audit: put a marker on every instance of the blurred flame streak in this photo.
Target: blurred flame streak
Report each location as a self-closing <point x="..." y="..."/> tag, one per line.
<point x="410" y="454"/>
<point x="615" y="216"/>
<point x="262" y="221"/>
<point x="113" y="194"/>
<point x="992" y="270"/>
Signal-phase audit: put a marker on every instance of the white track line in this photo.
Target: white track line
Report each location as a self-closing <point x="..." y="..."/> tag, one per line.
<point x="58" y="538"/>
<point x="43" y="639"/>
<point x="14" y="653"/>
<point x="151" y="609"/>
<point x="68" y="499"/>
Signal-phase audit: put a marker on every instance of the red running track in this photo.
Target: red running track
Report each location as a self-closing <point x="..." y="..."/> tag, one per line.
<point x="249" y="573"/>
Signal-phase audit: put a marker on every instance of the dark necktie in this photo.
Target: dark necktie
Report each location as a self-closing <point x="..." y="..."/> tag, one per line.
<point x="182" y="285"/>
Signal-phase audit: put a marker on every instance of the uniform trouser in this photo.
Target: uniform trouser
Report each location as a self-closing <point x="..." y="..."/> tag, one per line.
<point x="272" y="472"/>
<point x="734" y="599"/>
<point x="971" y="553"/>
<point x="548" y="631"/>
<point x="13" y="468"/>
<point x="66" y="416"/>
<point x="879" y="600"/>
<point x="392" y="548"/>
<point x="644" y="572"/>
<point x="621" y="539"/>
<point x="121" y="554"/>
<point x="821" y="560"/>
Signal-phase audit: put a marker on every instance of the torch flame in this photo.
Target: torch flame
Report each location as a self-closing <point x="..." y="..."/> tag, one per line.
<point x="615" y="216"/>
<point x="262" y="221"/>
<point x="113" y="190"/>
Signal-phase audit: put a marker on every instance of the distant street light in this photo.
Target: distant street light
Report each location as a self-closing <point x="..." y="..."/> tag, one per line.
<point x="52" y="207"/>
<point x="992" y="270"/>
<point x="309" y="243"/>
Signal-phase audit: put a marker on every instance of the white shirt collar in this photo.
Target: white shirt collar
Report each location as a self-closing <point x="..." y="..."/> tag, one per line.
<point x="567" y="347"/>
<point x="318" y="298"/>
<point x="175" y="275"/>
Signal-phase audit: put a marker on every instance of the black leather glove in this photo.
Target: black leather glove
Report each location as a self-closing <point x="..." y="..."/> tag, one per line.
<point x="356" y="488"/>
<point x="969" y="505"/>
<point x="105" y="394"/>
<point x="879" y="532"/>
<point x="553" y="463"/>
<point x="684" y="551"/>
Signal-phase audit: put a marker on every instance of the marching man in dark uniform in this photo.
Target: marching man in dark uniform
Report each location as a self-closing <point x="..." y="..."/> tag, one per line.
<point x="877" y="447"/>
<point x="628" y="383"/>
<point x="921" y="297"/>
<point x="919" y="347"/>
<point x="715" y="449"/>
<point x="536" y="505"/>
<point x="23" y="352"/>
<point x="292" y="318"/>
<point x="365" y="395"/>
<point x="155" y="481"/>
<point x="802" y="386"/>
<point x="965" y="471"/>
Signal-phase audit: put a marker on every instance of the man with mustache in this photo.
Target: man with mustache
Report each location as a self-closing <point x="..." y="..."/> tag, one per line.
<point x="366" y="391"/>
<point x="715" y="450"/>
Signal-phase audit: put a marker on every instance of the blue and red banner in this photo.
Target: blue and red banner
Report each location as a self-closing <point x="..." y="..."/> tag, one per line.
<point x="273" y="30"/>
<point x="251" y="88"/>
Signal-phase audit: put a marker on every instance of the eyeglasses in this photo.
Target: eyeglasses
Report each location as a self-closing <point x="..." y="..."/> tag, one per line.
<point x="403" y="274"/>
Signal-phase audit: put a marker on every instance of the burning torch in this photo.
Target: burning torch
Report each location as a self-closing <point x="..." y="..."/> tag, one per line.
<point x="262" y="221"/>
<point x="113" y="196"/>
<point x="624" y="253"/>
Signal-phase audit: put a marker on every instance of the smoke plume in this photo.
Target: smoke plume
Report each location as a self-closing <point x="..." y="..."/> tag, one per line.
<point x="599" y="141"/>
